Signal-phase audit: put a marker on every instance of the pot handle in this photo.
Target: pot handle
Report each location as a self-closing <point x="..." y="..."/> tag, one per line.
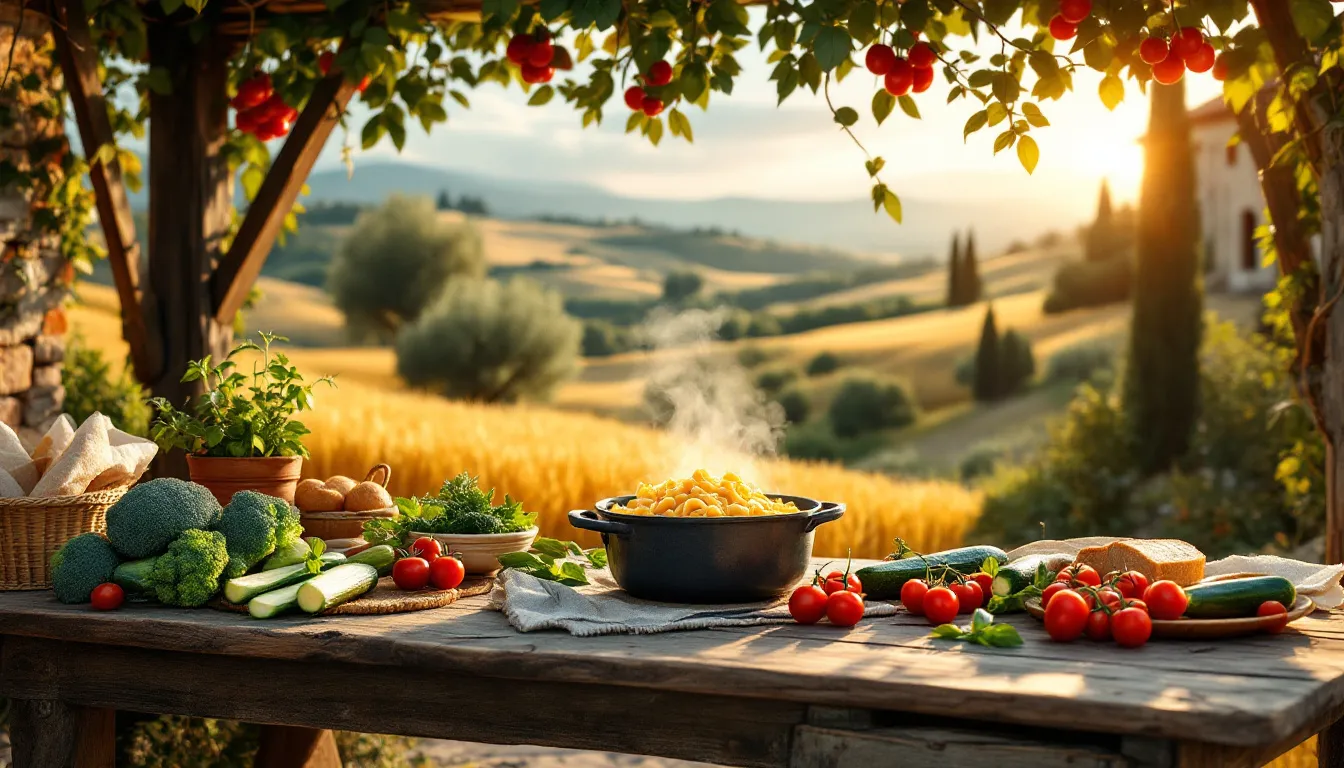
<point x="828" y="511"/>
<point x="585" y="518"/>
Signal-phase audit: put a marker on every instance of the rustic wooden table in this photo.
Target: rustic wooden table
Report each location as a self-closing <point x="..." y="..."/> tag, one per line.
<point x="880" y="694"/>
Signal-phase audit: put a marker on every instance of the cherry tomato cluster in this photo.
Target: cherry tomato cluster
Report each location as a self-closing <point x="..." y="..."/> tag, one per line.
<point x="837" y="596"/>
<point x="902" y="75"/>
<point x="941" y="602"/>
<point x="1187" y="49"/>
<point x="426" y="564"/>
<point x="537" y="56"/>
<point x="638" y="100"/>
<point x="261" y="111"/>
<point x="1064" y="25"/>
<point x="1120" y="607"/>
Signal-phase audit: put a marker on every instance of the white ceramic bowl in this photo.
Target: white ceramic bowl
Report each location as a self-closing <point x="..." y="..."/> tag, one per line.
<point x="480" y="551"/>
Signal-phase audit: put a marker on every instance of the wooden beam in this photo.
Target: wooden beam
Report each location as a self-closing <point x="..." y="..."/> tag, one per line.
<point x="79" y="63"/>
<point x="239" y="268"/>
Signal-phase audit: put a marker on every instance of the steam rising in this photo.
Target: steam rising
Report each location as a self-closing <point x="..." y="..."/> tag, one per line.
<point x="718" y="419"/>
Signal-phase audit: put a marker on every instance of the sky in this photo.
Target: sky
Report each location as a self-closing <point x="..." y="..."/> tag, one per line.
<point x="746" y="146"/>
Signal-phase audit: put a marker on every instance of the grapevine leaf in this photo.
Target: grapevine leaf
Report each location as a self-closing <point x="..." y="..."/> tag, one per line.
<point x="831" y="47"/>
<point x="846" y="116"/>
<point x="883" y="102"/>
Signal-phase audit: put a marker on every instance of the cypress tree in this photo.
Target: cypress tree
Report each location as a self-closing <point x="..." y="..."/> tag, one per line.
<point x="954" y="274"/>
<point x="987" y="385"/>
<point x="1162" y="376"/>
<point x="970" y="272"/>
<point x="1101" y="235"/>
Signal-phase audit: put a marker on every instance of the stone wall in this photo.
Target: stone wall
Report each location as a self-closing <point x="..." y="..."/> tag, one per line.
<point x="33" y="274"/>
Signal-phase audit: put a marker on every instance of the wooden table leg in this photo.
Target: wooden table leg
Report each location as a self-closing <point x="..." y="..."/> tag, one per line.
<point x="1330" y="746"/>
<point x="45" y="733"/>
<point x="284" y="746"/>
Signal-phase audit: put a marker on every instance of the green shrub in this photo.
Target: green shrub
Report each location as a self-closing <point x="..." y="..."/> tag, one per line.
<point x="602" y="339"/>
<point x="90" y="386"/>
<point x="751" y="356"/>
<point x="1089" y="284"/>
<point x="1080" y="363"/>
<point x="491" y="342"/>
<point x="818" y="442"/>
<point x="775" y="380"/>
<point x="1249" y="481"/>
<point x="1017" y="364"/>
<point x="678" y="287"/>
<point x="796" y="404"/>
<point x="822" y="364"/>
<point x="865" y="404"/>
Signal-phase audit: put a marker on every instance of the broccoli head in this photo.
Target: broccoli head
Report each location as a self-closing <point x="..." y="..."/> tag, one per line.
<point x="83" y="563"/>
<point x="187" y="575"/>
<point x="151" y="515"/>
<point x="255" y="525"/>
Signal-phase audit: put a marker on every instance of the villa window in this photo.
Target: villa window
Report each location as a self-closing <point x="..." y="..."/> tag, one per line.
<point x="1249" y="253"/>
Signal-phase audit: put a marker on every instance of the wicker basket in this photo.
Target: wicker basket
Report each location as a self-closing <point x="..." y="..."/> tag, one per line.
<point x="31" y="530"/>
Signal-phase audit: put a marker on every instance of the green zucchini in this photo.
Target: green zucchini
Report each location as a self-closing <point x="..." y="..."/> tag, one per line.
<point x="381" y="557"/>
<point x="293" y="554"/>
<point x="884" y="580"/>
<point x="1019" y="574"/>
<point x="133" y="577"/>
<point x="1237" y="598"/>
<point x="243" y="588"/>
<point x="342" y="583"/>
<point x="275" y="602"/>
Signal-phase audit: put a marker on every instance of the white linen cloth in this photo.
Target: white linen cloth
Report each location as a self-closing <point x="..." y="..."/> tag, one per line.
<point x="602" y="608"/>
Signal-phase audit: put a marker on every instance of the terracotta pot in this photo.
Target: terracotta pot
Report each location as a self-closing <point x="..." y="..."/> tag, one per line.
<point x="224" y="476"/>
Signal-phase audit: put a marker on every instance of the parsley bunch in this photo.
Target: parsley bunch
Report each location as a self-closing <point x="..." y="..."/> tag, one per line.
<point x="460" y="507"/>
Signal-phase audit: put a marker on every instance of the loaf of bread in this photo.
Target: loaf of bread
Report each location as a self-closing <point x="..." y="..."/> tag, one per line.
<point x="1099" y="556"/>
<point x="1170" y="559"/>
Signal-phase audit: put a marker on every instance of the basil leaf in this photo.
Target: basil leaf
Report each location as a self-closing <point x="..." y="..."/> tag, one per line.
<point x="948" y="632"/>
<point x="990" y="567"/>
<point x="980" y="620"/>
<point x="1001" y="636"/>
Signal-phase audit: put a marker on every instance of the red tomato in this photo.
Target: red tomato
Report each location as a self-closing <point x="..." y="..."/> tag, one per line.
<point x="1202" y="59"/>
<point x="1166" y="600"/>
<point x="660" y="73"/>
<point x="1050" y="592"/>
<point x="1109" y="596"/>
<point x="1220" y="68"/>
<point x="922" y="56"/>
<point x="541" y="53"/>
<point x="1267" y="608"/>
<point x="1061" y="29"/>
<point x="1066" y="616"/>
<point x="912" y="596"/>
<point x="986" y="583"/>
<point x="446" y="572"/>
<point x="1098" y="626"/>
<point x="1186" y="42"/>
<point x="107" y="597"/>
<point x="1142" y="606"/>
<point x="923" y="78"/>
<point x="652" y="106"/>
<point x="247" y="121"/>
<point x="1132" y="584"/>
<point x="253" y="91"/>
<point x="1170" y="70"/>
<point x="969" y="596"/>
<point x="324" y="62"/>
<point x="899" y="78"/>
<point x="879" y="59"/>
<point x="634" y="98"/>
<point x="411" y="573"/>
<point x="852" y="584"/>
<point x="941" y="605"/>
<point x="844" y="608"/>
<point x="807" y="604"/>
<point x="534" y="74"/>
<point x="1131" y="627"/>
<point x="429" y="548"/>
<point x="1153" y="50"/>
<point x="1080" y="574"/>
<point x="1075" y="11"/>
<point x="518" y="48"/>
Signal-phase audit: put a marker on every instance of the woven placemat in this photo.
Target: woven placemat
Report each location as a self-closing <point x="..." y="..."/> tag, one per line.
<point x="386" y="599"/>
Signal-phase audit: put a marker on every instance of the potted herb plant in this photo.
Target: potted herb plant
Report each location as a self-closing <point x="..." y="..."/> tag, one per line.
<point x="241" y="434"/>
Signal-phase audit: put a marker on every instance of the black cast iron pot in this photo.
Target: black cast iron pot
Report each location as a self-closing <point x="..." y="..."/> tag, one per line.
<point x="707" y="559"/>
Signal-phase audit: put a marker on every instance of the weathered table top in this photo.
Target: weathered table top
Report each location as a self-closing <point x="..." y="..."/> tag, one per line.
<point x="1247" y="692"/>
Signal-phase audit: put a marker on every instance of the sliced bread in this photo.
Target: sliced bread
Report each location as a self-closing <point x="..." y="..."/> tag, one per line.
<point x="1170" y="559"/>
<point x="1098" y="556"/>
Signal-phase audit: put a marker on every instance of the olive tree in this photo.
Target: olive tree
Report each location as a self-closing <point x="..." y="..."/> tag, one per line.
<point x="491" y="342"/>
<point x="395" y="261"/>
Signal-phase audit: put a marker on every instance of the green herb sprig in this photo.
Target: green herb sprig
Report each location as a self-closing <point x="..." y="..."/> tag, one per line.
<point x="982" y="630"/>
<point x="548" y="559"/>
<point x="460" y="507"/>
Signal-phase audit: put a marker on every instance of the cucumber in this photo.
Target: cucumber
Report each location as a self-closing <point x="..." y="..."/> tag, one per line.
<point x="342" y="583"/>
<point x="1019" y="574"/>
<point x="381" y="557"/>
<point x="275" y="602"/>
<point x="243" y="588"/>
<point x="133" y="576"/>
<point x="1237" y="598"/>
<point x="293" y="554"/>
<point x="884" y="580"/>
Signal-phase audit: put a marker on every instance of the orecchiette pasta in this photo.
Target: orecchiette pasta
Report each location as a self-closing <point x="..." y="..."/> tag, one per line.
<point x="704" y="495"/>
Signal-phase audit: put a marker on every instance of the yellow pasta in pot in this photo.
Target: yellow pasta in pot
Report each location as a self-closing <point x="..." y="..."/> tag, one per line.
<point x="704" y="495"/>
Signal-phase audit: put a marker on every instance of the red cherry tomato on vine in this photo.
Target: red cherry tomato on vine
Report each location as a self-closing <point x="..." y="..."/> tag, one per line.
<point x="969" y="596"/>
<point x="652" y="106"/>
<point x="1220" y="68"/>
<point x="1098" y="626"/>
<point x="1066" y="616"/>
<point x="634" y="98"/>
<point x="1075" y="11"/>
<point x="1186" y="42"/>
<point x="1142" y="606"/>
<point x="1267" y="608"/>
<point x="107" y="597"/>
<point x="921" y="55"/>
<point x="1061" y="29"/>
<point x="912" y="596"/>
<point x="660" y="73"/>
<point x="807" y="604"/>
<point x="518" y="48"/>
<point x="899" y="78"/>
<point x="427" y="547"/>
<point x="1131" y="627"/>
<point x="844" y="608"/>
<point x="879" y="59"/>
<point x="1153" y="50"/>
<point x="411" y="573"/>
<point x="1166" y="600"/>
<point x="941" y="605"/>
<point x="852" y="583"/>
<point x="1050" y="591"/>
<point x="446" y="572"/>
<point x="253" y="91"/>
<point x="1080" y="574"/>
<point x="1170" y="70"/>
<point x="986" y="583"/>
<point x="541" y="53"/>
<point x="324" y="61"/>
<point x="1131" y="584"/>
<point x="1202" y="59"/>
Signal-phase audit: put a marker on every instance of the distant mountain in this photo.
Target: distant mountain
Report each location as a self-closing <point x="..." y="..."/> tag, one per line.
<point x="847" y="225"/>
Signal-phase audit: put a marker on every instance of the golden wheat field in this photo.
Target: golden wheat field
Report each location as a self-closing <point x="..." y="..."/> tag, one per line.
<point x="556" y="462"/>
